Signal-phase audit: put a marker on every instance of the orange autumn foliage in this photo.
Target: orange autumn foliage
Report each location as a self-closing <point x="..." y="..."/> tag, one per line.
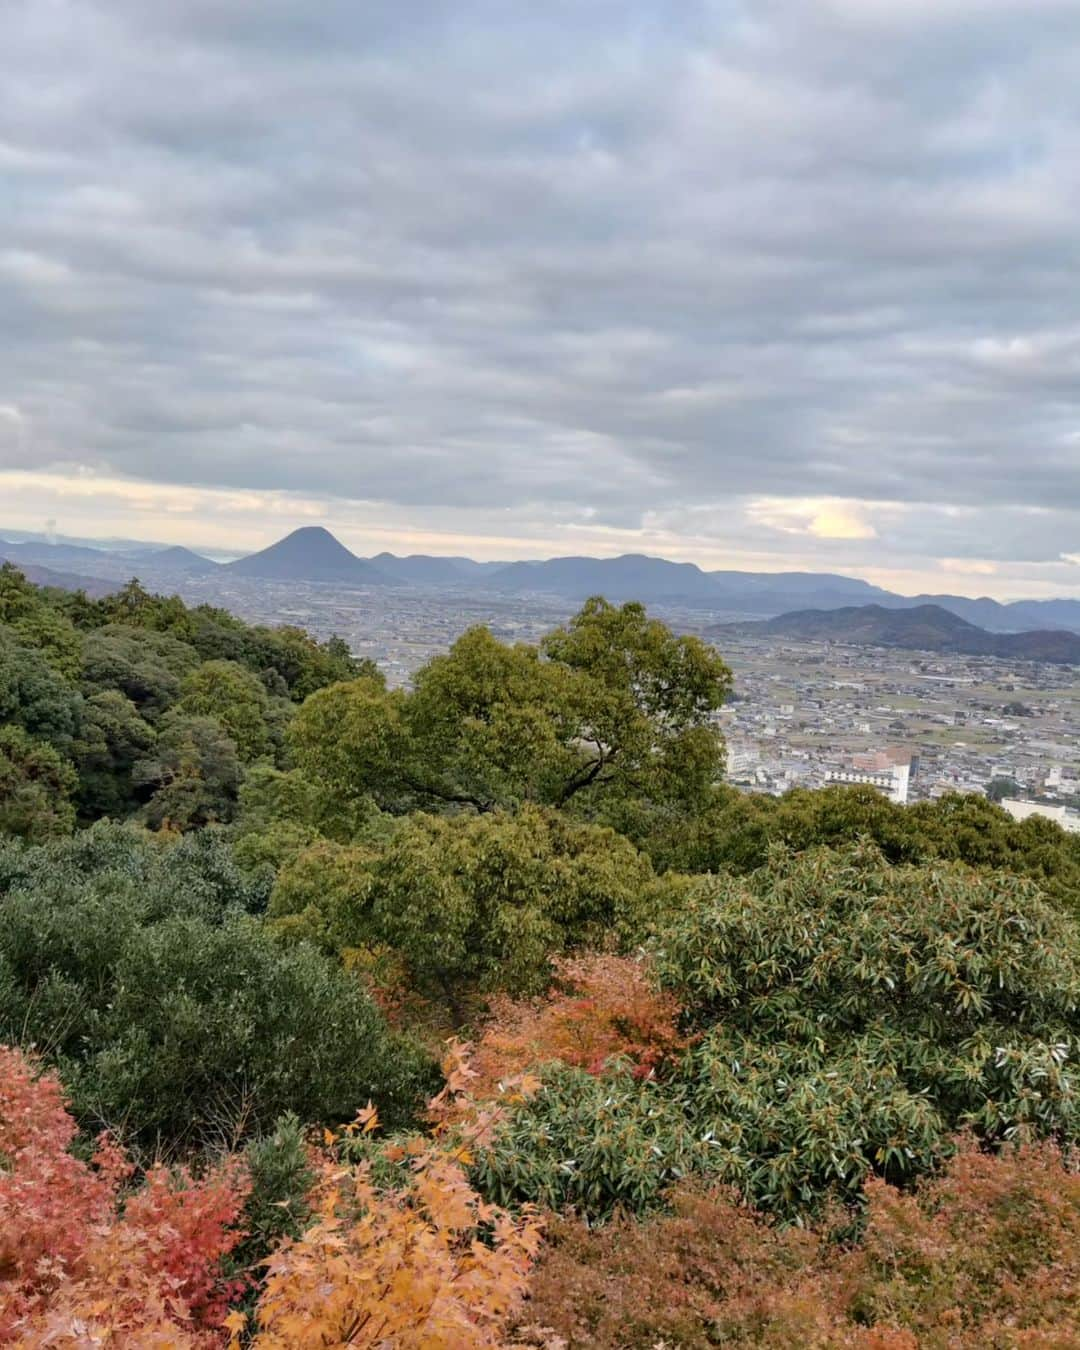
<point x="601" y="1008"/>
<point x="422" y="1264"/>
<point x="83" y="1264"/>
<point x="986" y="1254"/>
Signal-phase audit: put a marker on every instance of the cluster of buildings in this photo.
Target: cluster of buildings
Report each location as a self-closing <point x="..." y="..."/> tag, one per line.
<point x="912" y="725"/>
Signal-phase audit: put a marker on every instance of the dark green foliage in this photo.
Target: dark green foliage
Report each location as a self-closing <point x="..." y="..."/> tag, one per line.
<point x="138" y="967"/>
<point x="193" y="773"/>
<point x="298" y="660"/>
<point x="160" y="707"/>
<point x="112" y="739"/>
<point x="34" y="696"/>
<point x="145" y="666"/>
<point x="849" y="1017"/>
<point x="735" y="832"/>
<point x="282" y="1177"/>
<point x="36" y="784"/>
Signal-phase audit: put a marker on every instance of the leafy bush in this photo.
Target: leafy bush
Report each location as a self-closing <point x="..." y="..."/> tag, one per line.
<point x="281" y="1169"/>
<point x="473" y="903"/>
<point x="82" y="1262"/>
<point x="849" y="1017"/>
<point x="137" y="966"/>
<point x="986" y="1254"/>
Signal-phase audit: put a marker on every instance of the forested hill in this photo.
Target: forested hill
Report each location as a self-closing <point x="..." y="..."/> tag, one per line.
<point x="484" y="1013"/>
<point x="923" y="628"/>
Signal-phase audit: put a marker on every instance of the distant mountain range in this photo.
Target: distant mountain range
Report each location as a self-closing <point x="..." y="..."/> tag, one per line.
<point x="312" y="554"/>
<point x="929" y="628"/>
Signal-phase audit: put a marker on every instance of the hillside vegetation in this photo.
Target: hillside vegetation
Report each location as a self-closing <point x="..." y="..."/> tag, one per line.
<point x="485" y="1014"/>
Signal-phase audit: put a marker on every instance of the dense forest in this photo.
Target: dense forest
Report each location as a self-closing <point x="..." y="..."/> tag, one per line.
<point x="484" y="1013"/>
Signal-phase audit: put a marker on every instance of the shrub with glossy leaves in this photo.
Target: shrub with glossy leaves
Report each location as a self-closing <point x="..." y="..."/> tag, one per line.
<point x="849" y="1017"/>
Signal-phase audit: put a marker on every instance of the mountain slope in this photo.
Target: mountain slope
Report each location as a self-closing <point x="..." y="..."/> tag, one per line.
<point x="177" y="560"/>
<point x="56" y="556"/>
<point x="922" y="628"/>
<point x="634" y="576"/>
<point x="424" y="569"/>
<point x="630" y="577"/>
<point x="308" y="554"/>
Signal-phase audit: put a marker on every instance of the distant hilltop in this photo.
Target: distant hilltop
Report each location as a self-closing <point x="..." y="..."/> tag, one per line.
<point x="309" y="554"/>
<point x="313" y="554"/>
<point x="930" y="628"/>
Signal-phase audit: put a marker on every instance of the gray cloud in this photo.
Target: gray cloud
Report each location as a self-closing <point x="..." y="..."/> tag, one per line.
<point x="622" y="258"/>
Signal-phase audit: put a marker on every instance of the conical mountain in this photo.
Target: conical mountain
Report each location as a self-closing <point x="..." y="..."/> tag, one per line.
<point x="309" y="554"/>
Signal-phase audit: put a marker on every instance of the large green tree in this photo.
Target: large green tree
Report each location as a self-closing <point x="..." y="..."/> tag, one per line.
<point x="231" y="695"/>
<point x="193" y="772"/>
<point x="113" y="738"/>
<point x="611" y="706"/>
<point x="35" y="696"/>
<point x="145" y="666"/>
<point x="471" y="903"/>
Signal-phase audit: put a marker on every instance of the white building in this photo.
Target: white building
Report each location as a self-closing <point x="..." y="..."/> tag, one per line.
<point x="1060" y="815"/>
<point x="893" y="781"/>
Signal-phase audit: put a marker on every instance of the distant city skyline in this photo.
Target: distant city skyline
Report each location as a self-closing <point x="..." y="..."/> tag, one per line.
<point x="776" y="286"/>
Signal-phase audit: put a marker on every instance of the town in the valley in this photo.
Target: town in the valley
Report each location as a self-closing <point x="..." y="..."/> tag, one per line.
<point x="914" y="724"/>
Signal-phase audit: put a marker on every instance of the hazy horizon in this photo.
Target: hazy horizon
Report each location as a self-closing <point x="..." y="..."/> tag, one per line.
<point x="229" y="555"/>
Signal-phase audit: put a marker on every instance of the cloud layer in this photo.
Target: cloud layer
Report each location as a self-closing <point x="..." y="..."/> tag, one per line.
<point x="791" y="282"/>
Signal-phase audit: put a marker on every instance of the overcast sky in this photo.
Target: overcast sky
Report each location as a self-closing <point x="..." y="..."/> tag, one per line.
<point x="782" y="284"/>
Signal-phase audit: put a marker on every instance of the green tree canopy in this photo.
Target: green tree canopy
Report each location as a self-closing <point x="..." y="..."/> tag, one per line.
<point x="112" y="739"/>
<point x="193" y="771"/>
<point x="33" y="695"/>
<point x="735" y="831"/>
<point x="234" y="697"/>
<point x="145" y="666"/>
<point x="36" y="786"/>
<point x="473" y="903"/>
<point x="612" y="705"/>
